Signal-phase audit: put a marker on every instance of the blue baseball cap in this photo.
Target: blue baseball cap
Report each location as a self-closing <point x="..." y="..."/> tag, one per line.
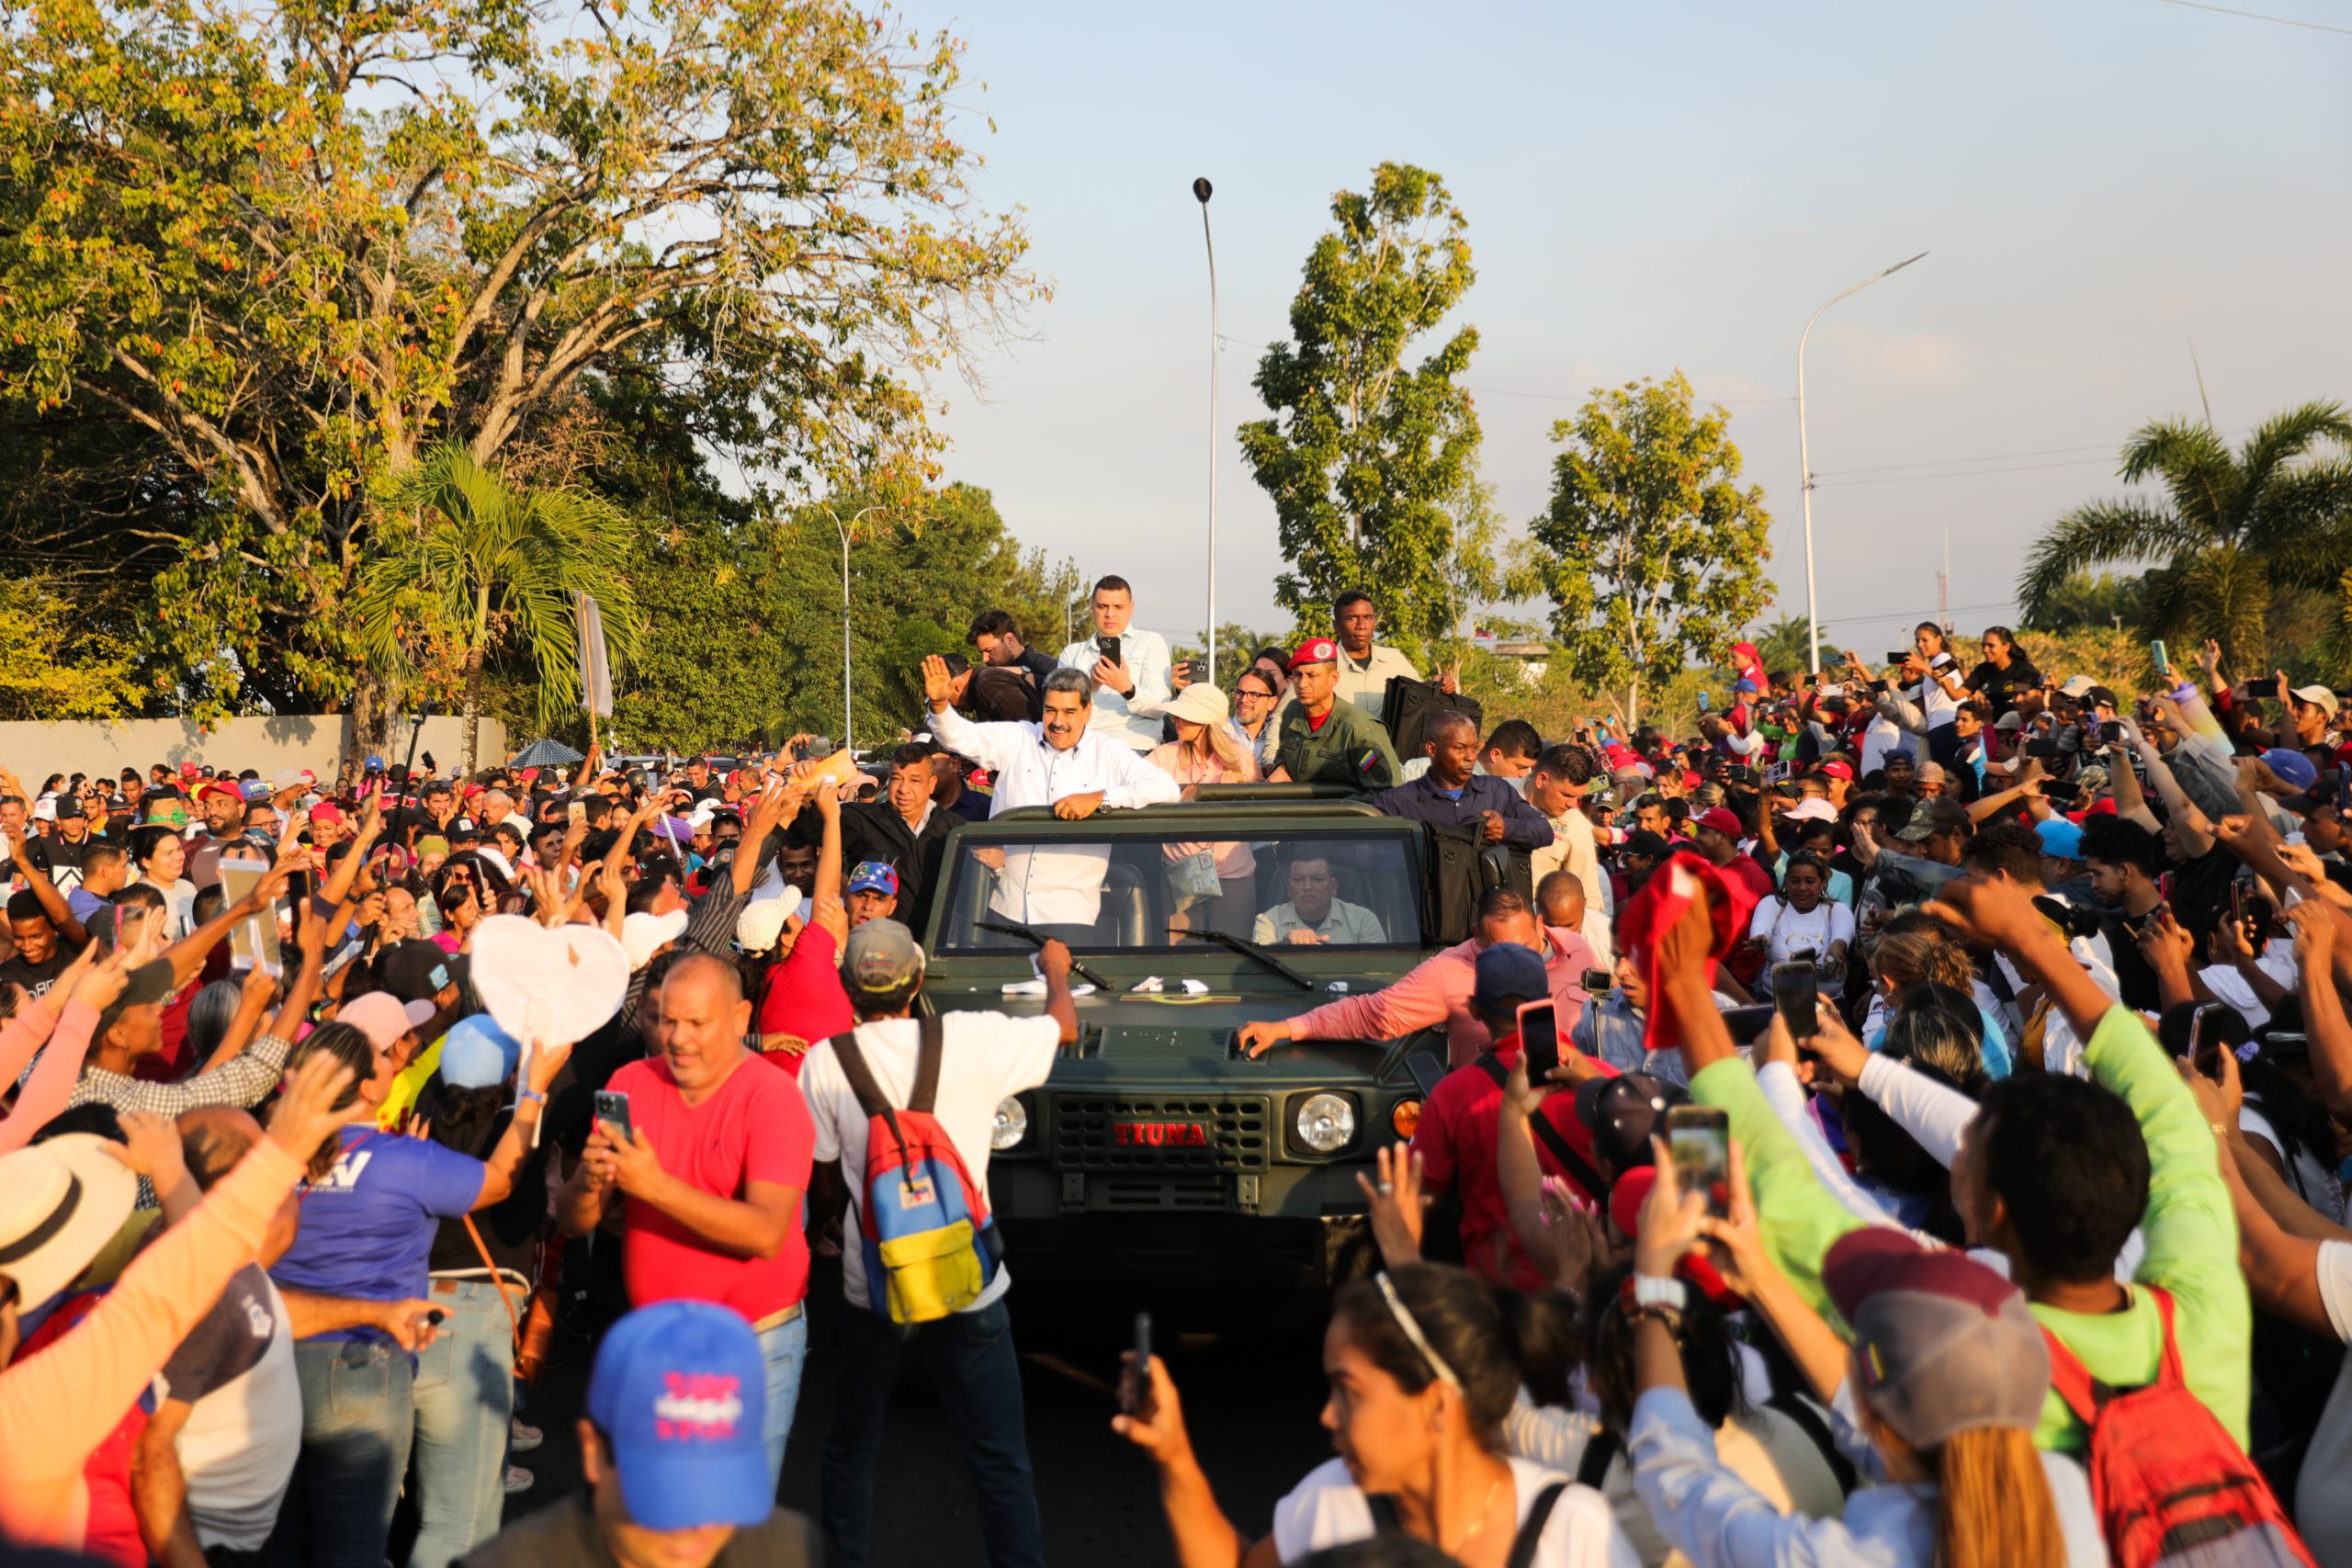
<point x="2061" y="839"/>
<point x="2294" y="769"/>
<point x="874" y="877"/>
<point x="374" y="764"/>
<point x="1506" y="970"/>
<point x="680" y="1395"/>
<point x="476" y="1053"/>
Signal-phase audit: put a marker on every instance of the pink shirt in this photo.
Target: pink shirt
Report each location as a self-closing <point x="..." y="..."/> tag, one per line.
<point x="1437" y="990"/>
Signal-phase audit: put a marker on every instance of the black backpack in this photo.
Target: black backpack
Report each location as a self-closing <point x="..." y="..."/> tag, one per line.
<point x="1462" y="867"/>
<point x="1523" y="1545"/>
<point x="1406" y="707"/>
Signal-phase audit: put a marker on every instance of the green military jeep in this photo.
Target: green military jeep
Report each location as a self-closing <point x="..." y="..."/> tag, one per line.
<point x="1158" y="1153"/>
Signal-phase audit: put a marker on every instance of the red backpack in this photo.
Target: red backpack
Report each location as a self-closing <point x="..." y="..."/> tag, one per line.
<point x="2169" y="1482"/>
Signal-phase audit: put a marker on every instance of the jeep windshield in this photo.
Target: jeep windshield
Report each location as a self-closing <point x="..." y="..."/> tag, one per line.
<point x="1131" y="890"/>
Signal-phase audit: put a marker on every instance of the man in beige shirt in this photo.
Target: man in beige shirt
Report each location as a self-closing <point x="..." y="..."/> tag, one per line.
<point x="1316" y="912"/>
<point x="1365" y="665"/>
<point x="1556" y="788"/>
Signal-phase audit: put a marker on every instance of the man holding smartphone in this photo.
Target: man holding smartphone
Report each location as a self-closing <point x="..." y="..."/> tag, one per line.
<point x="1129" y="669"/>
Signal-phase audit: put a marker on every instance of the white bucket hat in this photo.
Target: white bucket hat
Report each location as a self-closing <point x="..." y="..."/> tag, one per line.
<point x="61" y="1202"/>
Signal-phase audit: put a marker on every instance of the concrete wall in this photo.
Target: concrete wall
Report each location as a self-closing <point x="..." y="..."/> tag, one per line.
<point x="315" y="741"/>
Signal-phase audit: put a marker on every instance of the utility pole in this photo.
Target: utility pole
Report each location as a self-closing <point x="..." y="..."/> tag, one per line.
<point x="1201" y="189"/>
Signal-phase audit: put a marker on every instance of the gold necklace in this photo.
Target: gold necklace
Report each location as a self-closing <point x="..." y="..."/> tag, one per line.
<point x="1472" y="1533"/>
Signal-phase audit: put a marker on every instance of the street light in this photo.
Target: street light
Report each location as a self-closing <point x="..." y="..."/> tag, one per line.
<point x="1201" y="189"/>
<point x="1805" y="466"/>
<point x="843" y="530"/>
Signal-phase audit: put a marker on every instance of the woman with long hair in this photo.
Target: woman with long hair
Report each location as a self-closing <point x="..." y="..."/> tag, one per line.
<point x="1933" y="679"/>
<point x="1424" y="1364"/>
<point x="1945" y="1377"/>
<point x="1212" y="886"/>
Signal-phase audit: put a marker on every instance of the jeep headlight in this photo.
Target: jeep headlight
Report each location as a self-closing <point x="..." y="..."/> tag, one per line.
<point x="1011" y="1125"/>
<point x="1325" y="1122"/>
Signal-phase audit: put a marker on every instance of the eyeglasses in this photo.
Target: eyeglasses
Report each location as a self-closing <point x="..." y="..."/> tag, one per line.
<point x="1242" y="693"/>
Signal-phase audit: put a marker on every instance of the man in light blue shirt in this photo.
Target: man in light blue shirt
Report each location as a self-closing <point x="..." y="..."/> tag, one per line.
<point x="1129" y="691"/>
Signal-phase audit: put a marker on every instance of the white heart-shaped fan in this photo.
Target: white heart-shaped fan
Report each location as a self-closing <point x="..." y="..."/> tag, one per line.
<point x="580" y="971"/>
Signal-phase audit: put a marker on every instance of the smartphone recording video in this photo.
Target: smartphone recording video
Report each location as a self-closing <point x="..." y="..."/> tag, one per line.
<point x="1539" y="1039"/>
<point x="1698" y="1139"/>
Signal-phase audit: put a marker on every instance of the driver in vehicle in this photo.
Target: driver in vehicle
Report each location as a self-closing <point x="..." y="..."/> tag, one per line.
<point x="1056" y="890"/>
<point x="1316" y="912"/>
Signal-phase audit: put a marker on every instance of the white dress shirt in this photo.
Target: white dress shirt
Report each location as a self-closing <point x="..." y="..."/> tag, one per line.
<point x="1132" y="721"/>
<point x="1061" y="884"/>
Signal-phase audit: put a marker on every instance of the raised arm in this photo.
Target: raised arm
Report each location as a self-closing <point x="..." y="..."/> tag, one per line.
<point x="2317" y="942"/>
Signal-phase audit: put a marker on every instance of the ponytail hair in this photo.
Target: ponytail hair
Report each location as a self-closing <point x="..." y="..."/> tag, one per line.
<point x="1485" y="1337"/>
<point x="1994" y="1502"/>
<point x="354" y="1050"/>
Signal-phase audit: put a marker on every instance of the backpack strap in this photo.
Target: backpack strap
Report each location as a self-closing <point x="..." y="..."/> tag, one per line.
<point x="930" y="1041"/>
<point x="1579" y="1169"/>
<point x="2170" y="1374"/>
<point x="1493" y="1069"/>
<point x="2071" y="1381"/>
<point x="1600" y="1451"/>
<point x="870" y="1100"/>
<point x="1524" y="1544"/>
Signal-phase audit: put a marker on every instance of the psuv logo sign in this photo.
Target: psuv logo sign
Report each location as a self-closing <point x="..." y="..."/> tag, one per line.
<point x="1160" y="1134"/>
<point x="345" y="1175"/>
<point x="697" y="1405"/>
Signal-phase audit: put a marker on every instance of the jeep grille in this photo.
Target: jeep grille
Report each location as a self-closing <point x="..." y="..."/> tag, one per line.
<point x="1234" y="1129"/>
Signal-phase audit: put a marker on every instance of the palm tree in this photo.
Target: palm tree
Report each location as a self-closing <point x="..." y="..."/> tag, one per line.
<point x="485" y="567"/>
<point x="2229" y="529"/>
<point x="1780" y="644"/>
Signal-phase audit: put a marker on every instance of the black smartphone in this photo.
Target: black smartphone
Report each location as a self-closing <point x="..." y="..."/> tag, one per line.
<point x="1739" y="773"/>
<point x="1898" y="656"/>
<point x="1747" y="1024"/>
<point x="2266" y="689"/>
<point x="1108" y="646"/>
<point x="1597" y="981"/>
<point x="1697" y="1138"/>
<point x="1539" y="1039"/>
<point x="2043" y="747"/>
<point x="2110" y="732"/>
<point x="1795" y="987"/>
<point x="1135" y="1378"/>
<point x="612" y="1110"/>
<point x="2207" y="1059"/>
<point x="2238" y="904"/>
<point x="2059" y="792"/>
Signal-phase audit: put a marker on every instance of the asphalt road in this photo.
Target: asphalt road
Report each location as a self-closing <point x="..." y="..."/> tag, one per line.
<point x="1249" y="1373"/>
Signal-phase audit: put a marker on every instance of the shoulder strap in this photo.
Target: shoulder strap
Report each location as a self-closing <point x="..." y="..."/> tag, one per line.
<point x="870" y="1101"/>
<point x="1493" y="1069"/>
<point x="1791" y="1404"/>
<point x="497" y="1278"/>
<point x="1600" y="1451"/>
<point x="1523" y="1545"/>
<point x="1580" y="1169"/>
<point x="1384" y="1513"/>
<point x="2171" y="1374"/>
<point x="932" y="1035"/>
<point x="2071" y="1381"/>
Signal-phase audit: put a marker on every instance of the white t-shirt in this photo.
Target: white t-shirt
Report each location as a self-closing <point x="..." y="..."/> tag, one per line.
<point x="2314" y="1183"/>
<point x="244" y="1433"/>
<point x="2322" y="1501"/>
<point x="1328" y="1509"/>
<point x="985" y="1057"/>
<point x="1788" y="930"/>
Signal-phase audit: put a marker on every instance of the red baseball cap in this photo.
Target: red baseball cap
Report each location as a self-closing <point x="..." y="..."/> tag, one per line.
<point x="1720" y="819"/>
<point x="1836" y="768"/>
<point x="220" y="786"/>
<point x="1314" y="650"/>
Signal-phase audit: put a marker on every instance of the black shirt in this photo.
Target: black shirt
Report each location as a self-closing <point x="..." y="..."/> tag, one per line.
<point x="565" y="1533"/>
<point x="2000" y="687"/>
<point x="35" y="978"/>
<point x="510" y="1227"/>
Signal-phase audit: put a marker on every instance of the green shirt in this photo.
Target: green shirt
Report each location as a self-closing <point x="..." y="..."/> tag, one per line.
<point x="1350" y="749"/>
<point x="2188" y="1228"/>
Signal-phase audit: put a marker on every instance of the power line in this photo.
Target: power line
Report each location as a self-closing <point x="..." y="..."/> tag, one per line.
<point x="2258" y="16"/>
<point x="1949" y="462"/>
<point x="1964" y="474"/>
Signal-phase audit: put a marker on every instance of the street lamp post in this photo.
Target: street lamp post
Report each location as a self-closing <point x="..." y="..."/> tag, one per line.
<point x="1805" y="466"/>
<point x="843" y="530"/>
<point x="1201" y="189"/>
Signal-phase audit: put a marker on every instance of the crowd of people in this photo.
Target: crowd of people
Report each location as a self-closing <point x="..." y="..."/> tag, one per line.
<point x="1896" y="1120"/>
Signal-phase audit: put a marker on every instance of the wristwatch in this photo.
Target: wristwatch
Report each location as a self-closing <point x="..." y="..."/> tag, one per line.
<point x="1651" y="1290"/>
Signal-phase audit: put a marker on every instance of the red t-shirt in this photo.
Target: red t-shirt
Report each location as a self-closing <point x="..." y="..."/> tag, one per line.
<point x="1456" y="1142"/>
<point x="755" y="1128"/>
<point x="805" y="998"/>
<point x="111" y="1533"/>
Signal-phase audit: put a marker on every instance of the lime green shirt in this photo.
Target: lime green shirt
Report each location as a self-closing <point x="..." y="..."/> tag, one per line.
<point x="2188" y="1228"/>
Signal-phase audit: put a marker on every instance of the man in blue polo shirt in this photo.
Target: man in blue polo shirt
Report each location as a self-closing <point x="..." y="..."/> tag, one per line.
<point x="1454" y="792"/>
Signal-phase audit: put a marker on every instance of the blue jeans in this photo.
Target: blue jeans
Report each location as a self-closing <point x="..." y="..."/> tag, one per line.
<point x="357" y="1414"/>
<point x="464" y="1397"/>
<point x="785" y="1350"/>
<point x="971" y="1358"/>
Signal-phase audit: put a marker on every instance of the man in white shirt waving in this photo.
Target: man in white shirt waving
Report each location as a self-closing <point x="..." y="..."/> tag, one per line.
<point x="1129" y="691"/>
<point x="1059" y="762"/>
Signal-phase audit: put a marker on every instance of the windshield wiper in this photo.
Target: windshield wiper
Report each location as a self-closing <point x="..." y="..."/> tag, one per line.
<point x="1247" y="950"/>
<point x="1013" y="927"/>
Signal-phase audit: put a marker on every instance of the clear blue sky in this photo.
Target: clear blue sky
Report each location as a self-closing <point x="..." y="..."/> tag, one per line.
<point x="1651" y="187"/>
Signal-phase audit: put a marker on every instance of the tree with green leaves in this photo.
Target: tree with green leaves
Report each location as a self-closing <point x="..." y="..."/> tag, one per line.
<point x="1651" y="553"/>
<point x="1365" y="454"/>
<point x="1780" y="644"/>
<point x="54" y="662"/>
<point x="477" y="565"/>
<point x="2227" y="530"/>
<point x="281" y="249"/>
